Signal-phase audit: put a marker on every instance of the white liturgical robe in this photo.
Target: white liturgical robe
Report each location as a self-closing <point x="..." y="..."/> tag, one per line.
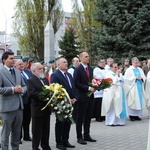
<point x="134" y="90"/>
<point x="114" y="103"/>
<point x="147" y="92"/>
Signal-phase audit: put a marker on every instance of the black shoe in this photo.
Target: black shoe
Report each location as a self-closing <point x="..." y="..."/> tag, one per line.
<point x="60" y="146"/>
<point x="20" y="142"/>
<point x="27" y="139"/>
<point x="99" y="120"/>
<point x="138" y="118"/>
<point x="132" y="118"/>
<point x="69" y="145"/>
<point x="112" y="125"/>
<point x="81" y="141"/>
<point x="89" y="139"/>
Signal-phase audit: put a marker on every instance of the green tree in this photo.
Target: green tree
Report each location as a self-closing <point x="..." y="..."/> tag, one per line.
<point x="69" y="45"/>
<point x="125" y="28"/>
<point x="30" y="20"/>
<point x="85" y="24"/>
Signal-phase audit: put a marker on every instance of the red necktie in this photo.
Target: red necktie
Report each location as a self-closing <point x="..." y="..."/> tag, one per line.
<point x="87" y="72"/>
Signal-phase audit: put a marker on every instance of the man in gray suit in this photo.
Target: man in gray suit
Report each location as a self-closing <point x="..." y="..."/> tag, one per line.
<point x="12" y="87"/>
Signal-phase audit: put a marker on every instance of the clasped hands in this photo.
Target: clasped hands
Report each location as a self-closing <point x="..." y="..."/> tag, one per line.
<point x="18" y="89"/>
<point x="139" y="78"/>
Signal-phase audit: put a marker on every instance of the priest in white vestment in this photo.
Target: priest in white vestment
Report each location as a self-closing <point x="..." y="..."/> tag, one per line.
<point x="114" y="103"/>
<point x="134" y="89"/>
<point x="98" y="72"/>
<point x="147" y="93"/>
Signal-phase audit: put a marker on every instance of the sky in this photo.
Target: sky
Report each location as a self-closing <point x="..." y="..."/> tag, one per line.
<point x="7" y="11"/>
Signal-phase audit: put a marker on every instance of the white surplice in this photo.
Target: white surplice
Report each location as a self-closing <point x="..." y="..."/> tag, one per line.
<point x="147" y="92"/>
<point x="112" y="104"/>
<point x="131" y="91"/>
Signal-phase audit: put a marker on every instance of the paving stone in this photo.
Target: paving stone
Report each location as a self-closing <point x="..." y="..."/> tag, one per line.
<point x="132" y="136"/>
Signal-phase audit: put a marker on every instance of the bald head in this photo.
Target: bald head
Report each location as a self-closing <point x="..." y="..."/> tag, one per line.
<point x="84" y="57"/>
<point x="62" y="64"/>
<point x="19" y="64"/>
<point x="75" y="61"/>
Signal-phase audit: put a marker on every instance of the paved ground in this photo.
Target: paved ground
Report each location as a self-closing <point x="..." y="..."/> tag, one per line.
<point x="133" y="136"/>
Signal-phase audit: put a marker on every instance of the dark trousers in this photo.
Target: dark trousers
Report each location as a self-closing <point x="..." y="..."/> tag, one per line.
<point x="75" y="111"/>
<point x="97" y="109"/>
<point x="62" y="129"/>
<point x="26" y="121"/>
<point x="85" y="110"/>
<point x="40" y="132"/>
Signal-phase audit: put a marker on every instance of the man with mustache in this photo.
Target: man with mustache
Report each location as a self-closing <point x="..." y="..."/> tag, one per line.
<point x="40" y="118"/>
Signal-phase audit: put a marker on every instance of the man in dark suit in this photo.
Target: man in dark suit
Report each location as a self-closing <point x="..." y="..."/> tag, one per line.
<point x="64" y="78"/>
<point x="82" y="76"/>
<point x="26" y="74"/>
<point x="12" y="87"/>
<point x="40" y="118"/>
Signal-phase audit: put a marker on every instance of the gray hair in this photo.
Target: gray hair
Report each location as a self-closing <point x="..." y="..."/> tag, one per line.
<point x="34" y="66"/>
<point x="134" y="59"/>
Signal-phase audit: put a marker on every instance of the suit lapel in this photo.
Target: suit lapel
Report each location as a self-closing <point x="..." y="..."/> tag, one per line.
<point x="8" y="75"/>
<point x="17" y="77"/>
<point x="64" y="79"/>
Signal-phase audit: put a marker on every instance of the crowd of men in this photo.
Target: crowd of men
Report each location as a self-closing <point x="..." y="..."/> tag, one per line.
<point x="21" y="84"/>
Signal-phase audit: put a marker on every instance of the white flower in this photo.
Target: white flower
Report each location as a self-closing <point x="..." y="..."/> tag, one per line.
<point x="55" y="108"/>
<point x="70" y="115"/>
<point x="64" y="107"/>
<point x="67" y="111"/>
<point x="69" y="105"/>
<point x="65" y="116"/>
<point x="62" y="102"/>
<point x="71" y="108"/>
<point x="58" y="112"/>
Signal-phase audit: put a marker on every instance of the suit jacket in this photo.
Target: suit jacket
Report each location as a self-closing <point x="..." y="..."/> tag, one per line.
<point x="25" y="96"/>
<point x="35" y="87"/>
<point x="82" y="82"/>
<point x="58" y="77"/>
<point x="10" y="101"/>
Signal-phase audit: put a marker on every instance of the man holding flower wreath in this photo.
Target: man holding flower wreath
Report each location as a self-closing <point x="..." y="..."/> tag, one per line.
<point x="62" y="128"/>
<point x="40" y="118"/>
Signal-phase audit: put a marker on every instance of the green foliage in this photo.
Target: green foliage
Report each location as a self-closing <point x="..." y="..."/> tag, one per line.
<point x="30" y="20"/>
<point x="125" y="30"/>
<point x="85" y="23"/>
<point x="69" y="45"/>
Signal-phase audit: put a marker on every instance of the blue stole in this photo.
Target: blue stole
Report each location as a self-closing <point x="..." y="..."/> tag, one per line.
<point x="124" y="111"/>
<point x="138" y="84"/>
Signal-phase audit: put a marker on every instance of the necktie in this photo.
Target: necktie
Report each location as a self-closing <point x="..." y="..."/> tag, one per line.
<point x="11" y="71"/>
<point x="67" y="79"/>
<point x="87" y="72"/>
<point x="24" y="77"/>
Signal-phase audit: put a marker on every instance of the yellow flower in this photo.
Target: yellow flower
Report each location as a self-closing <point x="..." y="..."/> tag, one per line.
<point x="47" y="99"/>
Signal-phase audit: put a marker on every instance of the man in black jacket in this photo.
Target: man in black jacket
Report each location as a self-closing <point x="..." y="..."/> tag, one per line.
<point x="82" y="76"/>
<point x="40" y="118"/>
